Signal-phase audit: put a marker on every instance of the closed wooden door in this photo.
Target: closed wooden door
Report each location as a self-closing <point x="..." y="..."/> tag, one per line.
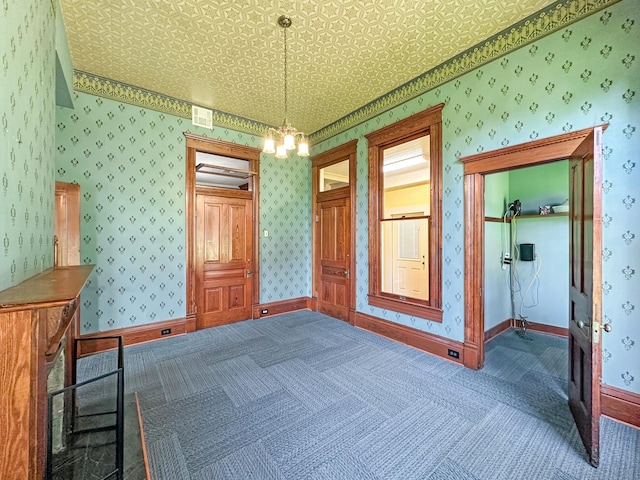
<point x="224" y="232"/>
<point x="585" y="291"/>
<point x="406" y="265"/>
<point x="334" y="234"/>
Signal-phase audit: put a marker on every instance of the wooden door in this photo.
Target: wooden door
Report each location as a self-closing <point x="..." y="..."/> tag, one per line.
<point x="585" y="290"/>
<point x="334" y="234"/>
<point x="67" y="224"/>
<point x="224" y="233"/>
<point x="408" y="260"/>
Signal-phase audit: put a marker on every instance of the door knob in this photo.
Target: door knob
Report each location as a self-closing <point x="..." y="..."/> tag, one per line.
<point x="581" y="324"/>
<point x="607" y="327"/>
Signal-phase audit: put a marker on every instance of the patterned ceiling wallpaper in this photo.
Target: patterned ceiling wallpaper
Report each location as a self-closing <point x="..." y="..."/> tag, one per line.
<point x="583" y="75"/>
<point x="27" y="76"/>
<point x="227" y="55"/>
<point x="130" y="165"/>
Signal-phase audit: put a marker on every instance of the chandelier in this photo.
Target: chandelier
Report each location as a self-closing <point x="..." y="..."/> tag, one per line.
<point x="286" y="134"/>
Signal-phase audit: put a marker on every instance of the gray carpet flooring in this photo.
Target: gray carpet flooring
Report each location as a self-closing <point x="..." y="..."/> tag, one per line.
<point x="305" y="396"/>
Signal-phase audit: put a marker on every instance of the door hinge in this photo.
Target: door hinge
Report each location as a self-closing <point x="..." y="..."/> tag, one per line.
<point x="317" y="218"/>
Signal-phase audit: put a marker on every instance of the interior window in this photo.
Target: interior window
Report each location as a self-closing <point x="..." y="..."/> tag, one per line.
<point x="405" y="221"/>
<point x="334" y="176"/>
<point x="405" y="161"/>
<point x="223" y="172"/>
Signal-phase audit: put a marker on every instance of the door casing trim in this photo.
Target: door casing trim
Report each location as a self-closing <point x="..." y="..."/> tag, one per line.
<point x="198" y="143"/>
<point x="345" y="151"/>
<point x="537" y="152"/>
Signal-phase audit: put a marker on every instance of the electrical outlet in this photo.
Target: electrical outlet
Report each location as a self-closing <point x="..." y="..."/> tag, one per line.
<point x="165" y="331"/>
<point x="505" y="260"/>
<point x="264" y="311"/>
<point x="453" y="353"/>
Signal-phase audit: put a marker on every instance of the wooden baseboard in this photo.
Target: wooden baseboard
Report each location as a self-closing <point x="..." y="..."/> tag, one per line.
<point x="620" y="405"/>
<point x="471" y="356"/>
<point x="283" y="306"/>
<point x="419" y="339"/>
<point x="498" y="329"/>
<point x="534" y="327"/>
<point x="131" y="335"/>
<point x="548" y="329"/>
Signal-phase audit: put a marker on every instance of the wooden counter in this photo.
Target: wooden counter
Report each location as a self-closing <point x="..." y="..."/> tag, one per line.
<point x="36" y="320"/>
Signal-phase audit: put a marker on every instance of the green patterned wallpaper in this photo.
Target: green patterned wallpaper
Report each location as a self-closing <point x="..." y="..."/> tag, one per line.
<point x="128" y="161"/>
<point x="130" y="164"/>
<point x="580" y="76"/>
<point x="27" y="76"/>
<point x="285" y="211"/>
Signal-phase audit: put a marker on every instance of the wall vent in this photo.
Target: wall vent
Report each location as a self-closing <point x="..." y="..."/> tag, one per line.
<point x="201" y="117"/>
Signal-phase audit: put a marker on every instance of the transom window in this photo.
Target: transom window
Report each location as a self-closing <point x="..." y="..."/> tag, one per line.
<point x="334" y="176"/>
<point x="405" y="161"/>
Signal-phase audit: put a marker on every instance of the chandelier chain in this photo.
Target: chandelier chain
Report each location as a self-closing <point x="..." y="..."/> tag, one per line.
<point x="286" y="133"/>
<point x="286" y="96"/>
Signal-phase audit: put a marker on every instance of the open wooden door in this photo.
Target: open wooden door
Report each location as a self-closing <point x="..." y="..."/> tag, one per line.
<point x="67" y="224"/>
<point x="224" y="233"/>
<point x="334" y="233"/>
<point x="585" y="290"/>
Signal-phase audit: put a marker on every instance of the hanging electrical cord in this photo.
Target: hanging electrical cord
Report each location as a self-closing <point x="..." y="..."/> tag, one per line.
<point x="534" y="279"/>
<point x="506" y="255"/>
<point x="511" y="258"/>
<point x="517" y="285"/>
<point x="514" y="209"/>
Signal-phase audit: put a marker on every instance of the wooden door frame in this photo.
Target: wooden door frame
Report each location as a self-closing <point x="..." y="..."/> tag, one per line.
<point x="537" y="152"/>
<point x="198" y="143"/>
<point x="343" y="152"/>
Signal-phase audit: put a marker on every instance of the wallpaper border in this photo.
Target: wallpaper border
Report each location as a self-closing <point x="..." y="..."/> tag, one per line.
<point x="530" y="29"/>
<point x="104" y="87"/>
<point x="546" y="21"/>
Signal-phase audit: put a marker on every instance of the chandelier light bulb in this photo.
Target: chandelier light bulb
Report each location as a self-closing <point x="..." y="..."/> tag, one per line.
<point x="281" y="152"/>
<point x="303" y="148"/>
<point x="289" y="142"/>
<point x="269" y="145"/>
